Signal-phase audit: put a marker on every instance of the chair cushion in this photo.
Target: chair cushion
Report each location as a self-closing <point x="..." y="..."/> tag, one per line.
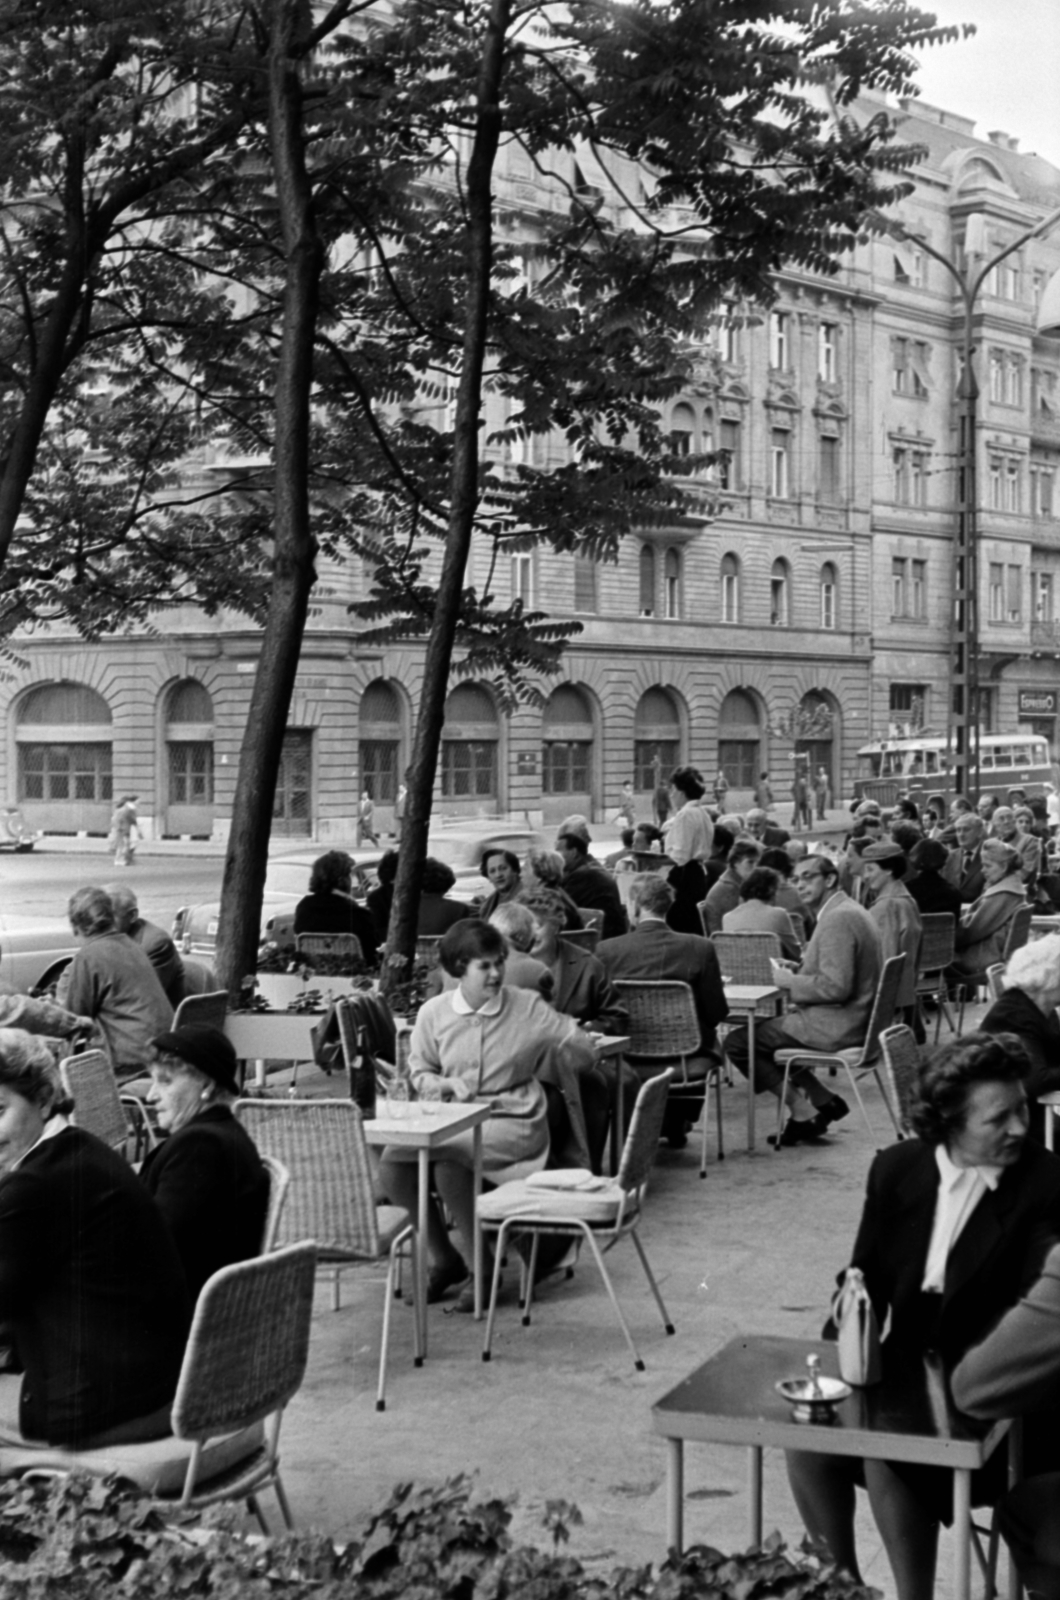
<point x="599" y="1208"/>
<point x="158" y="1467"/>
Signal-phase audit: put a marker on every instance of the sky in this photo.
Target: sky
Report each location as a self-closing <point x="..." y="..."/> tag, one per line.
<point x="1007" y="76"/>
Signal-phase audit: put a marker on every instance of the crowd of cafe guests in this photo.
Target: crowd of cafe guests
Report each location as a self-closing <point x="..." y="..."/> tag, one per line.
<point x="959" y="1242"/>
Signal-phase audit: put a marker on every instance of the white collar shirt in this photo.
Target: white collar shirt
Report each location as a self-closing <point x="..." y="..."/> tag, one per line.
<point x="960" y="1191"/>
<point x="489" y="1009"/>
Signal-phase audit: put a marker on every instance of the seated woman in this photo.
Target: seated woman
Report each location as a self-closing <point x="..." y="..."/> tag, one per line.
<point x="437" y="912"/>
<point x="92" y="1295"/>
<point x="983" y="927"/>
<point x="206" y="1178"/>
<point x="758" y="912"/>
<point x="480" y="1041"/>
<point x="502" y="869"/>
<point x="955" y="1227"/>
<point x="1028" y="1009"/>
<point x="544" y="870"/>
<point x="933" y="895"/>
<point x="329" y="907"/>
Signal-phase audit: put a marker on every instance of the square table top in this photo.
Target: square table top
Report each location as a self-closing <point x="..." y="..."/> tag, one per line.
<point x="418" y="1129"/>
<point x="732" y="1399"/>
<point x="749" y="996"/>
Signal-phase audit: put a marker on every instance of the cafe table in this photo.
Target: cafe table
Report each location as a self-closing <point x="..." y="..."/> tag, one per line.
<point x="732" y="1399"/>
<point x="425" y="1126"/>
<point x="751" y="1000"/>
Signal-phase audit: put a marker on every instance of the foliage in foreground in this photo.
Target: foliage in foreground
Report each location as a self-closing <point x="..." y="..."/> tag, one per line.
<point x="85" y="1539"/>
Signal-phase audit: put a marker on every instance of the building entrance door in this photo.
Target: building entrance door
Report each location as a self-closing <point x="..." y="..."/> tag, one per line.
<point x="292" y="807"/>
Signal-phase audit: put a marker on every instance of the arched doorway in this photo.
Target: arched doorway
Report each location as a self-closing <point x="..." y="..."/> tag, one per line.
<point x="65" y="778"/>
<point x="566" y="754"/>
<point x="740" y="742"/>
<point x="817" y="737"/>
<point x="656" y="739"/>
<point x="188" y="738"/>
<point x="470" y="737"/>
<point x="379" y="723"/>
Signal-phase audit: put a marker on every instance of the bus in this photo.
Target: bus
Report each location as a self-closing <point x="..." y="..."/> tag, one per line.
<point x="919" y="766"/>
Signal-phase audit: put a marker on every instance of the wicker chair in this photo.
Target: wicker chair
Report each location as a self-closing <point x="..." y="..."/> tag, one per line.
<point x="279" y="1183"/>
<point x="744" y="957"/>
<point x="664" y="1028"/>
<point x="346" y="945"/>
<point x="901" y="1064"/>
<point x="601" y="1215"/>
<point x="331" y="1198"/>
<point x="936" y="953"/>
<point x="211" y="1009"/>
<point x="245" y="1359"/>
<point x="100" y="1107"/>
<point x="857" y="1058"/>
<point x="1017" y="933"/>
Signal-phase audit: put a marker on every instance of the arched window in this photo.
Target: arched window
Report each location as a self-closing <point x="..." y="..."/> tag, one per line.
<point x="189" y="752"/>
<point x="63" y="732"/>
<point x="566" y="743"/>
<point x="469" y="745"/>
<point x="780" y="595"/>
<point x="656" y="738"/>
<point x="647" y="581"/>
<point x="379" y="739"/>
<point x="739" y="739"/>
<point x="829" y="596"/>
<point x="730" y="588"/>
<point x="672" y="582"/>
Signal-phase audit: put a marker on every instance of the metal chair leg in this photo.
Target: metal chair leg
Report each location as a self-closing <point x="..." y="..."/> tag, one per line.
<point x="499" y="1246"/>
<point x="605" y="1275"/>
<point x="652" y="1285"/>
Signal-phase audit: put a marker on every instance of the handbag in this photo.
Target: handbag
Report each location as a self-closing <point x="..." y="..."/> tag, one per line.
<point x="858" y="1330"/>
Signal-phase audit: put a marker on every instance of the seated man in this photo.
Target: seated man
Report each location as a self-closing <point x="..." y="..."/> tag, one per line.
<point x="653" y="950"/>
<point x="159" y="947"/>
<point x="964" y="869"/>
<point x="725" y="895"/>
<point x="590" y="886"/>
<point x="831" y="1000"/>
<point x="760" y="828"/>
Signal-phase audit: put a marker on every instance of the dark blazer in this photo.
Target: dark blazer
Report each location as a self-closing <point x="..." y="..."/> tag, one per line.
<point x="91" y="1289"/>
<point x="594" y="889"/>
<point x="208" y="1182"/>
<point x="437" y="913"/>
<point x="584" y="990"/>
<point x="998" y="1255"/>
<point x="337" y="913"/>
<point x="934" y="895"/>
<point x="653" y="950"/>
<point x="1015" y="1012"/>
<point x="968" y="879"/>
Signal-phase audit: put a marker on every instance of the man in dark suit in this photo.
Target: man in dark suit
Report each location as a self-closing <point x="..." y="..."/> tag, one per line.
<point x="760" y="828"/>
<point x="590" y="886"/>
<point x="655" y="951"/>
<point x="965" y="866"/>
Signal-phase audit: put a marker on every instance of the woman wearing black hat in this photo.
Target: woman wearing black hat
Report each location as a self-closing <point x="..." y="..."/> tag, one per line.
<point x="207" y="1177"/>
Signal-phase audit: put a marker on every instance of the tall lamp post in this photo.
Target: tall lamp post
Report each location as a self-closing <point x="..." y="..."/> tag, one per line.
<point x="964" y="702"/>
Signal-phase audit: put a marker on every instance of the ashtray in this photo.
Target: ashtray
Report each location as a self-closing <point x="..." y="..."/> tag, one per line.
<point x="813" y="1399"/>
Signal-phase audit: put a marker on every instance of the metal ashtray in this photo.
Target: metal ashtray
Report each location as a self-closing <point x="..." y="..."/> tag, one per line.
<point x="814" y="1398"/>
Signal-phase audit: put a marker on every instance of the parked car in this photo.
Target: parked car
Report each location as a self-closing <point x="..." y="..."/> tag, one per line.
<point x="33" y="951"/>
<point x="461" y="843"/>
<point x="14" y="832"/>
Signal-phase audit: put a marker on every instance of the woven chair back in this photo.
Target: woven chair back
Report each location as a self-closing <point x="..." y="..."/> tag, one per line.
<point x="209" y="1009"/>
<point x="744" y="957"/>
<point x="249" y="1341"/>
<point x="937" y="941"/>
<point x="346" y="945"/>
<point x="645" y="1131"/>
<point x="592" y="917"/>
<point x="584" y="938"/>
<point x="89" y="1080"/>
<point x="662" y="1018"/>
<point x="1019" y="931"/>
<point x="883" y="1007"/>
<point x="322" y="1145"/>
<point x="994" y="980"/>
<point x="279" y="1183"/>
<point x="901" y="1059"/>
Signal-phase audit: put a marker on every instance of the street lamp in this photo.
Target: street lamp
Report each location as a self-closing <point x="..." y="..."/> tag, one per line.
<point x="964" y="702"/>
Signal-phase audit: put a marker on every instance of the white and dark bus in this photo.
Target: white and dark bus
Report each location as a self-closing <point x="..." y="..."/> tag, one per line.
<point x="920" y="766"/>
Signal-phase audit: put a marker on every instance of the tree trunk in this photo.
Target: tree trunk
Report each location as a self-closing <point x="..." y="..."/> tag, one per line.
<point x="463" y="499"/>
<point x="295" y="548"/>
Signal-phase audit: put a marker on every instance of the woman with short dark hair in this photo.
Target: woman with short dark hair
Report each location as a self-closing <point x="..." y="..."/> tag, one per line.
<point x="329" y="907"/>
<point x="955" y="1227"/>
<point x="503" y="870"/>
<point x="758" y="912"/>
<point x="437" y="913"/>
<point x="929" y="888"/>
<point x="478" y="1042"/>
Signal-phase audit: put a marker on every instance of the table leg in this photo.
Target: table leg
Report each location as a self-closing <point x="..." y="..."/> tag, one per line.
<point x="423" y="1196"/>
<point x="754" y="1486"/>
<point x="751" y="1080"/>
<point x="962" y="1534"/>
<point x="617" y="1131"/>
<point x="675" y="1495"/>
<point x="477" y="1251"/>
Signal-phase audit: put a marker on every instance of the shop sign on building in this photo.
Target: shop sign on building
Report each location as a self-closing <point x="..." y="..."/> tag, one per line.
<point x="1037" y="702"/>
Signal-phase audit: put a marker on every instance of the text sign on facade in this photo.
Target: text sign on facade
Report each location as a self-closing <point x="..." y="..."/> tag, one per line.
<point x="1037" y="702"/>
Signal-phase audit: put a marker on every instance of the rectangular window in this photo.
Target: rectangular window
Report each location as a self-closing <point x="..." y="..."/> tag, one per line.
<point x="469" y="768"/>
<point x="918" y="477"/>
<point x="996" y="478"/>
<point x="191" y="773"/>
<point x="997" y="376"/>
<point x="1045" y="492"/>
<point x="899" y="585"/>
<point x="1042" y="590"/>
<point x="919" y="361"/>
<point x="780" y="463"/>
<point x="523" y="578"/>
<point x="644" y="753"/>
<point x="997" y="592"/>
<point x="64" y="772"/>
<point x="827" y="352"/>
<point x="918" y="589"/>
<point x="730" y="597"/>
<point x="828" y="606"/>
<point x="584" y="584"/>
<point x="672" y="592"/>
<point x="907" y="702"/>
<point x="1014" y="594"/>
<point x="779" y="339"/>
<point x="379" y="769"/>
<point x="1013" y="486"/>
<point x="829" y="469"/>
<point x="565" y="767"/>
<point x="1013" y="382"/>
<point x="901" y="378"/>
<point x="778" y="602"/>
<point x="728" y="468"/>
<point x="900" y="467"/>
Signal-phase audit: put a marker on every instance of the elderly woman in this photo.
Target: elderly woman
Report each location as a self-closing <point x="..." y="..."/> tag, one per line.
<point x="758" y="912"/>
<point x="1005" y="826"/>
<point x="955" y="1227"/>
<point x="983" y="927"/>
<point x="544" y="870"/>
<point x="329" y="907"/>
<point x="111" y="980"/>
<point x="480" y="1041"/>
<point x="92" y="1296"/>
<point x="437" y="913"/>
<point x="1028" y="1009"/>
<point x="502" y="869"/>
<point x="206" y="1178"/>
